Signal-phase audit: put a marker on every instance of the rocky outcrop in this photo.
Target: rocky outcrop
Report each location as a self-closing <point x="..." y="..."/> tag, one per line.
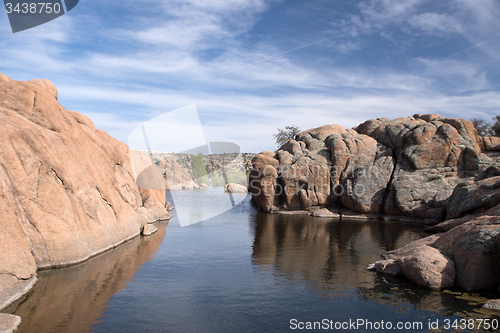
<point x="149" y="229"/>
<point x="474" y="197"/>
<point x="472" y="241"/>
<point x="408" y="166"/>
<point x="263" y="181"/>
<point x="176" y="173"/>
<point x="9" y="323"/>
<point x="424" y="168"/>
<point x="152" y="187"/>
<point x="67" y="190"/>
<point x="235" y="188"/>
<point x="474" y="247"/>
<point x="491" y="143"/>
<point x="429" y="268"/>
<point x="466" y="256"/>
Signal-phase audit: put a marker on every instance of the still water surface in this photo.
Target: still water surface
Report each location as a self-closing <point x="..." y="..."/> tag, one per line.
<point x="241" y="271"/>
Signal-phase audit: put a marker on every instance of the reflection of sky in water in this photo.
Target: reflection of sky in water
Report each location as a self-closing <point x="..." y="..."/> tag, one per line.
<point x="209" y="202"/>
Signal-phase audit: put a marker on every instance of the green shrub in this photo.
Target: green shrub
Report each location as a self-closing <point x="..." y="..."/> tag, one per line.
<point x="198" y="169"/>
<point x="236" y="176"/>
<point x="215" y="179"/>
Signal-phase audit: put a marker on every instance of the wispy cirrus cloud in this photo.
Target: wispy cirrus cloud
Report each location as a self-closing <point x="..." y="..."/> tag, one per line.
<point x="191" y="23"/>
<point x="253" y="65"/>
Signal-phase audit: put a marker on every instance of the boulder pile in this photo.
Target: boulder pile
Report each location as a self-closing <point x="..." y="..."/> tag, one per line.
<point x="425" y="168"/>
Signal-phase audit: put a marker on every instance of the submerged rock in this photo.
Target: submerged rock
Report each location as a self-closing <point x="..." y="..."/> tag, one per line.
<point x="325" y="212"/>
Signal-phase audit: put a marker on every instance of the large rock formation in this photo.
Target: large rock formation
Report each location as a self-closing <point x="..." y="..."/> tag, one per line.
<point x="408" y="166"/>
<point x="468" y="255"/>
<point x="471" y="241"/>
<point x="426" y="168"/>
<point x="67" y="189"/>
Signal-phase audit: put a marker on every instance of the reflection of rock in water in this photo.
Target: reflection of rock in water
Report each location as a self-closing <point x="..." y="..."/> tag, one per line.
<point x="332" y="257"/>
<point x="396" y="291"/>
<point x="303" y="247"/>
<point x="72" y="299"/>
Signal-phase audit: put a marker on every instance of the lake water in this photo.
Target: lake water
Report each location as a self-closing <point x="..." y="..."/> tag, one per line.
<point x="242" y="271"/>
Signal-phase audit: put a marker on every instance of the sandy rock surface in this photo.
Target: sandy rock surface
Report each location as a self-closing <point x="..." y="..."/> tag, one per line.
<point x="9" y="323"/>
<point x="67" y="189"/>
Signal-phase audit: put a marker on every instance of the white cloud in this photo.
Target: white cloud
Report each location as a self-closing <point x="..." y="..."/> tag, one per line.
<point x="434" y="23"/>
<point x="476" y="21"/>
<point x="191" y="22"/>
<point x="379" y="14"/>
<point x="245" y="90"/>
<point x="250" y="121"/>
<point x="459" y="75"/>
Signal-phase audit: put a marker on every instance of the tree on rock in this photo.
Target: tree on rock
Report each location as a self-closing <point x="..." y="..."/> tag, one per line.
<point x="286" y="134"/>
<point x="483" y="127"/>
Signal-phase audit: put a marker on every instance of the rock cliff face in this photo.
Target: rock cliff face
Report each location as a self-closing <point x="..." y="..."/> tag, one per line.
<point x="408" y="166"/>
<point x="67" y="189"/>
<point x="71" y="299"/>
<point x="426" y="168"/>
<point x="472" y="241"/>
<point x="177" y="172"/>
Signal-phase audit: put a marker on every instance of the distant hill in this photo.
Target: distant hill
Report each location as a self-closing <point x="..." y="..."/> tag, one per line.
<point x="185" y="171"/>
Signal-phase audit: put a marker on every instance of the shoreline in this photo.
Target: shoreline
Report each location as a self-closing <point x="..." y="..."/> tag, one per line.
<point x="349" y="214"/>
<point x="20" y="288"/>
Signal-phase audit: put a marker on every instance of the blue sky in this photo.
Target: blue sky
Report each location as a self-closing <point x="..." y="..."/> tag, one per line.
<point x="251" y="66"/>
